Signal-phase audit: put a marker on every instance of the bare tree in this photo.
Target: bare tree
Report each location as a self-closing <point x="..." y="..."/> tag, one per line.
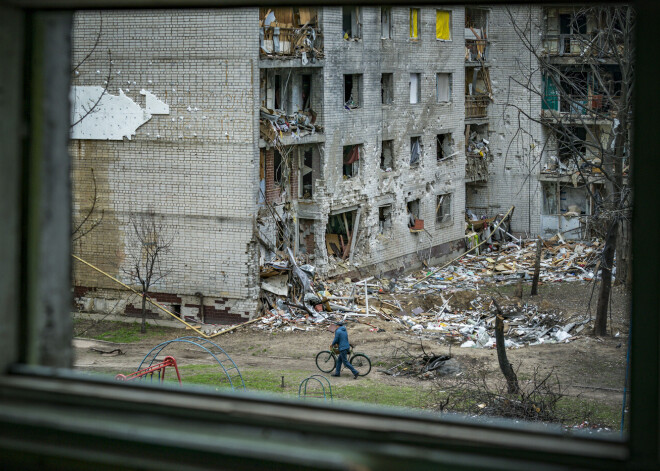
<point x="92" y="217"/>
<point x="147" y="245"/>
<point x="587" y="75"/>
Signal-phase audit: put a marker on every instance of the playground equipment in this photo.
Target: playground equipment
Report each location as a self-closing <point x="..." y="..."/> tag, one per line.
<point x="158" y="368"/>
<point x="302" y="394"/>
<point x="229" y="368"/>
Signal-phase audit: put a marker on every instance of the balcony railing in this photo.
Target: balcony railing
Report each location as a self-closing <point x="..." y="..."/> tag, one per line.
<point x="575" y="104"/>
<point x="476" y="50"/>
<point x="567" y="44"/>
<point x="476" y="106"/>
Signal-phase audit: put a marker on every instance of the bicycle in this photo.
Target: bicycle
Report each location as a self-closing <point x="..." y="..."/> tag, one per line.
<point x="326" y="361"/>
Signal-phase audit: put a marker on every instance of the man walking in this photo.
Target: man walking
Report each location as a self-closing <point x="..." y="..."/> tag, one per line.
<point x="341" y="340"/>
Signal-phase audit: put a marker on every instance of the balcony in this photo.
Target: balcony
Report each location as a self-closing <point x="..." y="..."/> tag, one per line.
<point x="476" y="50"/>
<point x="566" y="44"/>
<point x="476" y="106"/>
<point x="288" y="33"/>
<point x="587" y="107"/>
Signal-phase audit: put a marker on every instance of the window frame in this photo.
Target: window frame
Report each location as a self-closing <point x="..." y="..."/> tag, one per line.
<point x="94" y="427"/>
<point x="417" y="26"/>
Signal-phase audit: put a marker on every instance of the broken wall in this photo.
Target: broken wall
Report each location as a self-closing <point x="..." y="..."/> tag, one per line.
<point x="372" y="122"/>
<point x="196" y="168"/>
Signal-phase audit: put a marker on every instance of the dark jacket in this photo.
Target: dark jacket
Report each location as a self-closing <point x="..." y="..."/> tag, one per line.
<point x="341" y="338"/>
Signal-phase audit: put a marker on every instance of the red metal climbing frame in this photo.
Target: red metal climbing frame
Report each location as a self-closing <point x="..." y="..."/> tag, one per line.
<point x="157" y="368"/>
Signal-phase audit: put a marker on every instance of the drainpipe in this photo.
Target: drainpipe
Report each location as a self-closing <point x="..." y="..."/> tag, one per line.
<point x="201" y="306"/>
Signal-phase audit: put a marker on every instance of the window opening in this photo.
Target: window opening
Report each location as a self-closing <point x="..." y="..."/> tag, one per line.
<point x="307" y="174"/>
<point x="351" y="161"/>
<point x="415" y="150"/>
<point x="387" y="88"/>
<point x="443" y="25"/>
<point x="415" y="88"/>
<point x="385" y="23"/>
<point x="385" y="219"/>
<point x="352" y="91"/>
<point x="414" y="222"/>
<point x="339" y="233"/>
<point x="443" y="209"/>
<point x="351" y="22"/>
<point x="387" y="156"/>
<point x="306" y="92"/>
<point x="443" y="87"/>
<point x="414" y="23"/>
<point x="444" y="147"/>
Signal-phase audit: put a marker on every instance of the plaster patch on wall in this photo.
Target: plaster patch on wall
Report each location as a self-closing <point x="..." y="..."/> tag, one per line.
<point x="113" y="117"/>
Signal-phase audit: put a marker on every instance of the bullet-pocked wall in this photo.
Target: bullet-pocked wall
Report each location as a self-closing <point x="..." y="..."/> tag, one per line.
<point x="516" y="140"/>
<point x="175" y="134"/>
<point x="384" y="82"/>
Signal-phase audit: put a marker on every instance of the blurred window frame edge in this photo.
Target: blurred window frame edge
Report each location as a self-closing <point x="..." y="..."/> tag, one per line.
<point x="50" y="417"/>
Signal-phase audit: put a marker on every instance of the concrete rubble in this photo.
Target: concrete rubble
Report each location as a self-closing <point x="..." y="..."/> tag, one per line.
<point x="294" y="299"/>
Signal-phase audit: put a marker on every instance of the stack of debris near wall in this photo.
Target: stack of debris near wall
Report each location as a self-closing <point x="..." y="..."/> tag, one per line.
<point x="290" y="32"/>
<point x="477" y="157"/>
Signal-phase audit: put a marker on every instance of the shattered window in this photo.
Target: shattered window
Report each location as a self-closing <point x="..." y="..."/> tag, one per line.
<point x="386" y="23"/>
<point x="351" y="161"/>
<point x="443" y="209"/>
<point x="387" y="88"/>
<point x="443" y="87"/>
<point x="351" y="22"/>
<point x="387" y="156"/>
<point x="415" y="150"/>
<point x="415" y="88"/>
<point x="444" y="147"/>
<point x="414" y="23"/>
<point x="384" y="219"/>
<point x="352" y="91"/>
<point x="414" y="221"/>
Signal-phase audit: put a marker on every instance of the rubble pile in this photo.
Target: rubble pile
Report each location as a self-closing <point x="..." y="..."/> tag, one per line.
<point x="561" y="261"/>
<point x="294" y="299"/>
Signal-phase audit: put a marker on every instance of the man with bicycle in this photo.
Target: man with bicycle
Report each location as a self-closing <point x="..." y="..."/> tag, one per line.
<point x="341" y="341"/>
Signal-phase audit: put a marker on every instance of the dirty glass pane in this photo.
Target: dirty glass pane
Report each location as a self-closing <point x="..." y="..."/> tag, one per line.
<point x="237" y="181"/>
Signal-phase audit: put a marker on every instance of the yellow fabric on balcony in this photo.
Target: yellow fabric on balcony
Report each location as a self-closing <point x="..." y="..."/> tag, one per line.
<point x="413" y="23"/>
<point x="442" y="29"/>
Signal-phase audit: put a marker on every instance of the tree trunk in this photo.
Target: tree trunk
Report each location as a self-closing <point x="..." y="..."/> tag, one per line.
<point x="600" y="326"/>
<point x="537" y="267"/>
<point x="505" y="366"/>
<point x="143" y="327"/>
<point x="624" y="255"/>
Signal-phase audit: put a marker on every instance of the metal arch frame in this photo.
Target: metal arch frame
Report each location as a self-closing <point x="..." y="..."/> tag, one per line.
<point x="197" y="341"/>
<point x="315" y="378"/>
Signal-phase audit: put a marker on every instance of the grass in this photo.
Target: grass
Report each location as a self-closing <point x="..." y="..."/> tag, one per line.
<point x="571" y="410"/>
<point x="121" y="332"/>
<point x="256" y="379"/>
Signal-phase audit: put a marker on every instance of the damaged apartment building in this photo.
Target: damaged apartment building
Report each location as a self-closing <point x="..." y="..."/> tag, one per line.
<point x="355" y="137"/>
<point x="554" y="82"/>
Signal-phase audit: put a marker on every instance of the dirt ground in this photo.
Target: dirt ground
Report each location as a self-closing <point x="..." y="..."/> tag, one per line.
<point x="588" y="367"/>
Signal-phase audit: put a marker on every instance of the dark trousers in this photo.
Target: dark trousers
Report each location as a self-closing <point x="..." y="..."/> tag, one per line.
<point x="343" y="358"/>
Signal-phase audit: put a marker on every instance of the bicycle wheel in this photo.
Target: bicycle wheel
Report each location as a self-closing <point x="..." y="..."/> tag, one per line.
<point x="361" y="363"/>
<point x="326" y="361"/>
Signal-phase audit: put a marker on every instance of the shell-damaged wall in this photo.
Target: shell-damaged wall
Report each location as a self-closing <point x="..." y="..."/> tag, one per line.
<point x="194" y="168"/>
<point x="374" y="122"/>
